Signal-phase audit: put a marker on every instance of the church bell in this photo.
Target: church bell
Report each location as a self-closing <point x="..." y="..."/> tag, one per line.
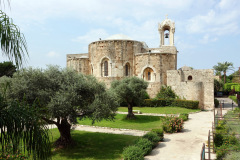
<point x="166" y="35"/>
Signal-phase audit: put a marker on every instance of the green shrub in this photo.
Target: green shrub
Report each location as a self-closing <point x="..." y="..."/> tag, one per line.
<point x="221" y="152"/>
<point x="9" y="154"/>
<point x="173" y="124"/>
<point x="218" y="139"/>
<point x="171" y="102"/>
<point x="216" y="102"/>
<point x="133" y="153"/>
<point x="145" y="145"/>
<point x="159" y="133"/>
<point x="183" y="116"/>
<point x="185" y="104"/>
<point x="166" y="92"/>
<point x="153" y="137"/>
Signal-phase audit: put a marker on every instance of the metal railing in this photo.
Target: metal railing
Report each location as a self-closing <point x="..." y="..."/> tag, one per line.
<point x="203" y="152"/>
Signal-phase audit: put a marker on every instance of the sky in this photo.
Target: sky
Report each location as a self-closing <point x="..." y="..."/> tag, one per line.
<point x="207" y="31"/>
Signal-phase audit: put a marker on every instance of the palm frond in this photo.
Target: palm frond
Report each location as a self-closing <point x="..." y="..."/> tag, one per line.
<point x="13" y="43"/>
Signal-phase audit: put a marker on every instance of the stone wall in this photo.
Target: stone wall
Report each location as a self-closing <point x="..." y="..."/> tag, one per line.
<point x="79" y="62"/>
<point x="159" y="63"/>
<point x="118" y="52"/>
<point x="193" y="85"/>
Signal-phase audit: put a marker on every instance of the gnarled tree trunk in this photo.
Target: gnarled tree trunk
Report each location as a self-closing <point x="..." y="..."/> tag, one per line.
<point x="65" y="135"/>
<point x="130" y="111"/>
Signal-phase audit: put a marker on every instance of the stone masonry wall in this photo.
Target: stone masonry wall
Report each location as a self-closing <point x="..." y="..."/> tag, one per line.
<point x="193" y="85"/>
<point x="160" y="63"/>
<point x="119" y="52"/>
<point x="79" y="62"/>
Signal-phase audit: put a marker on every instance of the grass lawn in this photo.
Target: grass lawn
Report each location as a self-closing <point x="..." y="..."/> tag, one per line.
<point x="160" y="110"/>
<point x="92" y="146"/>
<point x="140" y="123"/>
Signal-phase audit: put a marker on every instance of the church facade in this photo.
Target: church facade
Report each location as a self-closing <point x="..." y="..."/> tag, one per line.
<point x="119" y="56"/>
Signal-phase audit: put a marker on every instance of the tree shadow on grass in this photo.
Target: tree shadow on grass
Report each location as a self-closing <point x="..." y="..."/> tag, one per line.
<point x="95" y="146"/>
<point x="143" y="119"/>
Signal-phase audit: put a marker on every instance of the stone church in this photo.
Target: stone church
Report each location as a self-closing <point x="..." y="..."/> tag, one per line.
<point x="119" y="56"/>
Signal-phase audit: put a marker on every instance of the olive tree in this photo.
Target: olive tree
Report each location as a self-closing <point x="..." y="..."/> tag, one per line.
<point x="130" y="90"/>
<point x="7" y="69"/>
<point x="63" y="95"/>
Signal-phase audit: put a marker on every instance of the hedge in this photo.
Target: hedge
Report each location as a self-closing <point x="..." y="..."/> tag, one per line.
<point x="171" y="102"/>
<point x="143" y="146"/>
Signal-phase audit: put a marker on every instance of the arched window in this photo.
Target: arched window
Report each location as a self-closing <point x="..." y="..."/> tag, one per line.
<point x="105" y="68"/>
<point x="189" y="78"/>
<point x="127" y="69"/>
<point x="148" y="74"/>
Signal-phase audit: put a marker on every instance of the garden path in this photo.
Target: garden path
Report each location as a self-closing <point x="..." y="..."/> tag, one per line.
<point x="187" y="144"/>
<point x="105" y="130"/>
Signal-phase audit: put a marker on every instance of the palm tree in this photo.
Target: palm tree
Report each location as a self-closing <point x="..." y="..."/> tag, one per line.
<point x="223" y="67"/>
<point x="20" y="124"/>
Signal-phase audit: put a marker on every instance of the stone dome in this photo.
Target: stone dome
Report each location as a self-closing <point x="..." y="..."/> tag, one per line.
<point x="118" y="37"/>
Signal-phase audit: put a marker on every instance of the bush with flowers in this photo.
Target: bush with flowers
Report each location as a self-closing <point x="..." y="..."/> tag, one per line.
<point x="173" y="124"/>
<point x="9" y="154"/>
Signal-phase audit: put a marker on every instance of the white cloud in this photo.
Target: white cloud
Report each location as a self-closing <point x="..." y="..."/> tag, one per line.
<point x="52" y="54"/>
<point x="221" y="20"/>
<point x="207" y="38"/>
<point x="92" y="35"/>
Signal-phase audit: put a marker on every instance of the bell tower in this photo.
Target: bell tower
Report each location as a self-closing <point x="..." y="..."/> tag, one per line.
<point x="166" y="30"/>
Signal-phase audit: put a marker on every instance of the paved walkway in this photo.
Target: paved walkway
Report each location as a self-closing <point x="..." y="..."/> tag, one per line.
<point x="187" y="144"/>
<point x="110" y="130"/>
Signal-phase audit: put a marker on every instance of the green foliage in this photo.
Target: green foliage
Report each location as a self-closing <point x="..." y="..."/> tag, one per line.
<point x="173" y="124"/>
<point x="166" y="92"/>
<point x="171" y="102"/>
<point x="131" y="90"/>
<point x="13" y="43"/>
<point x="229" y="86"/>
<point x="21" y="126"/>
<point x="152" y="137"/>
<point x="7" y="69"/>
<point x="216" y="102"/>
<point x="161" y="110"/>
<point x="223" y="67"/>
<point x="133" y="153"/>
<point x="225" y="139"/>
<point x="10" y="154"/>
<point x="159" y="132"/>
<point x="218" y="85"/>
<point x="183" y="116"/>
<point x="62" y="95"/>
<point x="145" y="145"/>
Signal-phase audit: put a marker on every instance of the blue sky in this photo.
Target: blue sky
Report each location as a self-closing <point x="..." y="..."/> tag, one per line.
<point x="207" y="31"/>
